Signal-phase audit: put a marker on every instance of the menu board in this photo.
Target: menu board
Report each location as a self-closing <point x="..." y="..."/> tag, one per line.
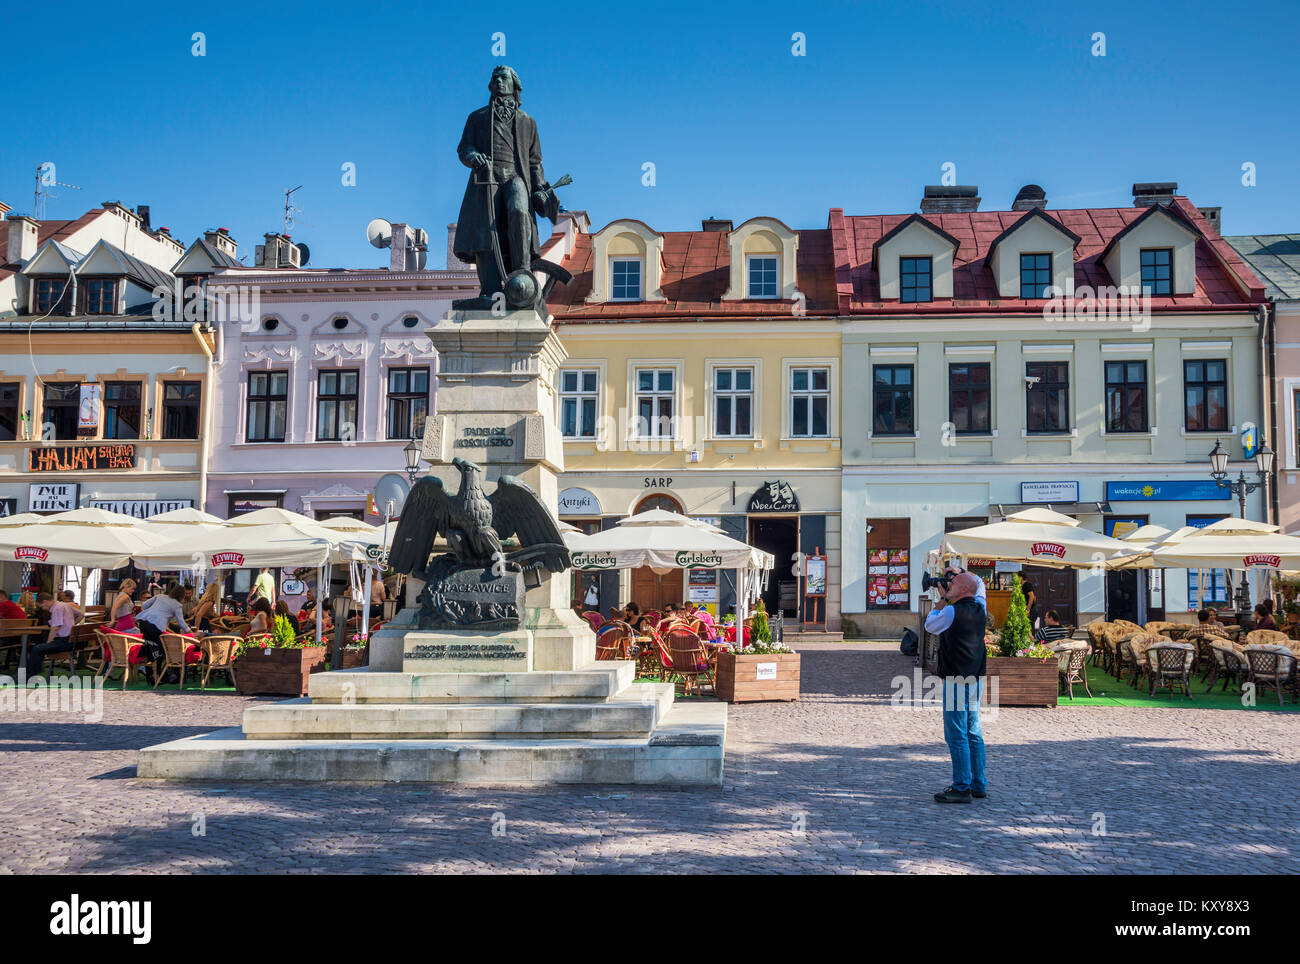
<point x="887" y="577"/>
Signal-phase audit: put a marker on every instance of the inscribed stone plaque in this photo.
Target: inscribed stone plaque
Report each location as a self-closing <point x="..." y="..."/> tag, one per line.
<point x="466" y="652"/>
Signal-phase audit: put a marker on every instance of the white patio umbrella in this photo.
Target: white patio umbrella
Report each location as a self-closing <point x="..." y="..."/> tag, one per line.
<point x="83" y="538"/>
<point x="1038" y="537"/>
<point x="22" y="519"/>
<point x="1142" y="557"/>
<point x="1232" y="546"/>
<point x="672" y="541"/>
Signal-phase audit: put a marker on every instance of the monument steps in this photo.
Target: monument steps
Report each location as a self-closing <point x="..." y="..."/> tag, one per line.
<point x="631" y="713"/>
<point x="685" y="749"/>
<point x="598" y="681"/>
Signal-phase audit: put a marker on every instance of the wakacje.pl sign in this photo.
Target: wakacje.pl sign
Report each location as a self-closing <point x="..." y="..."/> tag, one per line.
<point x="1178" y="490"/>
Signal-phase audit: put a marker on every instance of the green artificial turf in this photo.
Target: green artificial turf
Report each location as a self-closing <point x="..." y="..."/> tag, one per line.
<point x="1107" y="691"/>
<point x="219" y="683"/>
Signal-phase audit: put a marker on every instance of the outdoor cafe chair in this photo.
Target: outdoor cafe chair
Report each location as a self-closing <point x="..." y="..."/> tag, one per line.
<point x="595" y="619"/>
<point x="1228" y="664"/>
<point x="612" y="640"/>
<point x="123" y="653"/>
<point x="175" y="650"/>
<point x="688" y="659"/>
<point x="1071" y="660"/>
<point x="1267" y="637"/>
<point x="85" y="638"/>
<point x="1096" y="633"/>
<point x="648" y="660"/>
<point x="1269" y="666"/>
<point x="1169" y="664"/>
<point x="221" y="656"/>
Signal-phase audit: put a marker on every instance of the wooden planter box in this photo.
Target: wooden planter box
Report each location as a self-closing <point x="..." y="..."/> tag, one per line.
<point x="277" y="672"/>
<point x="748" y="679"/>
<point x="1023" y="681"/>
<point x="355" y="658"/>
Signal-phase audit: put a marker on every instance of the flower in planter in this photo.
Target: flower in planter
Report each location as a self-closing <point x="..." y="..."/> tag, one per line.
<point x="1036" y="651"/>
<point x="358" y="640"/>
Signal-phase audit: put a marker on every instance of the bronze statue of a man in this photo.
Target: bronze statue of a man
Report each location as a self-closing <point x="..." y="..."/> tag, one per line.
<point x="496" y="230"/>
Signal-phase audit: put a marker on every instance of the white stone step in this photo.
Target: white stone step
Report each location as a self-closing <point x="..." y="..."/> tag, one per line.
<point x="596" y="682"/>
<point x="631" y="716"/>
<point x="686" y="749"/>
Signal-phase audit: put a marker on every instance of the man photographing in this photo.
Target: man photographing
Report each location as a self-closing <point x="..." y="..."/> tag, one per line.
<point x="962" y="663"/>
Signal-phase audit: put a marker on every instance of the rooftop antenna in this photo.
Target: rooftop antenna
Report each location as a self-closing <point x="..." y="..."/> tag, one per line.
<point x="289" y="209"/>
<point x="44" y="181"/>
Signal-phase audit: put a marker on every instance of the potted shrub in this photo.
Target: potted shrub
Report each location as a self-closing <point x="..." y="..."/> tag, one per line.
<point x="763" y="671"/>
<point x="280" y="665"/>
<point x="356" y="652"/>
<point x="1026" y="672"/>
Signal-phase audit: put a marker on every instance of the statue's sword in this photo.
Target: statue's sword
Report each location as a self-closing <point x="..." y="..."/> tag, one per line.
<point x="489" y="198"/>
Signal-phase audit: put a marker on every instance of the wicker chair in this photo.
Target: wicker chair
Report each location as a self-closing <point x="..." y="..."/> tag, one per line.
<point x="1116" y="632"/>
<point x="1096" y="636"/>
<point x="594" y="618"/>
<point x="119" y="656"/>
<point x="612" y="640"/>
<point x="175" y="647"/>
<point x="1159" y="626"/>
<point x="688" y="659"/>
<point x="221" y="657"/>
<point x="1269" y="666"/>
<point x="1267" y="637"/>
<point x="1204" y="660"/>
<point x="1169" y="664"/>
<point x="1228" y="665"/>
<point x="1071" y="659"/>
<point x="648" y="660"/>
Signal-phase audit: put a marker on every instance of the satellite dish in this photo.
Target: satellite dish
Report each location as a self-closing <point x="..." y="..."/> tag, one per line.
<point x="391" y="487"/>
<point x="379" y="233"/>
<point x="422" y="257"/>
<point x="304" y="253"/>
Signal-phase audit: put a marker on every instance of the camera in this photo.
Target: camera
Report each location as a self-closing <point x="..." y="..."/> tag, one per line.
<point x="929" y="582"/>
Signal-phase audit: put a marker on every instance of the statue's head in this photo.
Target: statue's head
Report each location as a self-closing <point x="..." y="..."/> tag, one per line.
<point x="505" y="83"/>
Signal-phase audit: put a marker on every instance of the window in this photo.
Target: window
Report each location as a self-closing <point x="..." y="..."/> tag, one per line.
<point x="101" y="296"/>
<point x="1205" y="395"/>
<point x="1035" y="275"/>
<point x="408" y="402"/>
<point x="810" y="402"/>
<point x="268" y="404"/>
<point x="52" y="296"/>
<point x="1158" y="271"/>
<point x="625" y="283"/>
<point x="654" y="403"/>
<point x="121" y="410"/>
<point x="1213" y="582"/>
<point x="62" y="401"/>
<point x="968" y="398"/>
<point x="181" y="409"/>
<point x="1048" y="406"/>
<point x="915" y="277"/>
<point x="762" y="276"/>
<point x="1126" y="396"/>
<point x="336" y="406"/>
<point x="733" y="402"/>
<point x="892" y="401"/>
<point x="9" y="414"/>
<point x="579" y="389"/>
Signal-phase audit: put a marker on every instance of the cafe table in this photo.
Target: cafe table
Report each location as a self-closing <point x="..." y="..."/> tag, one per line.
<point x="25" y="633"/>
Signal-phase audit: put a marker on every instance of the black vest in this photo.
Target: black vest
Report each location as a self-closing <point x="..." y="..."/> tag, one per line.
<point x="961" y="647"/>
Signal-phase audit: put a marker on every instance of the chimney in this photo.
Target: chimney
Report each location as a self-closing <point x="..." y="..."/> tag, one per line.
<point x="4" y="209"/>
<point x="717" y="224"/>
<point x="1211" y="216"/>
<point x="24" y="238"/>
<point x="143" y="211"/>
<point x="954" y="199"/>
<point x="1154" y="192"/>
<point x="1030" y="196"/>
<point x="278" y="252"/>
<point x="454" y="263"/>
<point x="221" y="240"/>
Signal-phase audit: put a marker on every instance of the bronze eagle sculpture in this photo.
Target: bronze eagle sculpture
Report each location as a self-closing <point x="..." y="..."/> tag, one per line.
<point x="475" y="526"/>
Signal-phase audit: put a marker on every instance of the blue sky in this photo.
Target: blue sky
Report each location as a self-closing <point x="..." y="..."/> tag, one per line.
<point x="709" y="93"/>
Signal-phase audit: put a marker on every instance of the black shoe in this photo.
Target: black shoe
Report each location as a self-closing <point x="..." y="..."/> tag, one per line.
<point x="949" y="795"/>
<point x="979" y="794"/>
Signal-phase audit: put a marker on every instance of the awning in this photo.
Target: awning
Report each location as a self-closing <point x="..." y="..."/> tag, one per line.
<point x="1000" y="510"/>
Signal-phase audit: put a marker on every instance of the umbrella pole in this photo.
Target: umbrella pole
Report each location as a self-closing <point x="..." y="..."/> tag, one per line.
<point x="320" y="603"/>
<point x="366" y="598"/>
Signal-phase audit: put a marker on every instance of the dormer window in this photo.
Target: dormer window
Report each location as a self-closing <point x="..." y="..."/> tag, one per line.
<point x="101" y="296"/>
<point x="1158" y="271"/>
<point x="1035" y="275"/>
<point x="915" y="279"/>
<point x="762" y="257"/>
<point x="764" y="279"/>
<point x="50" y="295"/>
<point x="625" y="279"/>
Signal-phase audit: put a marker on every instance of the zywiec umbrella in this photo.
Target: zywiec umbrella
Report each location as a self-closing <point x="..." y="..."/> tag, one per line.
<point x="1144" y="547"/>
<point x="83" y="538"/>
<point x="1232" y="544"/>
<point x="1038" y="537"/>
<point x="23" y="519"/>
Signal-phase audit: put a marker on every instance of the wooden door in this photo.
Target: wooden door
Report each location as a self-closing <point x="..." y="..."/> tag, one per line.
<point x="1055" y="589"/>
<point x="653" y="591"/>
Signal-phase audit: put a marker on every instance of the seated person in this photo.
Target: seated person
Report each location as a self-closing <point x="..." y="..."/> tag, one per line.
<point x="10" y="609"/>
<point x="1052" y="631"/>
<point x="1264" y="618"/>
<point x="670" y="615"/>
<point x="263" y="617"/>
<point x="634" y="616"/>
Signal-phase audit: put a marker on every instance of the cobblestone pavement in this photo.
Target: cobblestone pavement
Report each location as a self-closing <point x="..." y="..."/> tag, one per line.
<point x="838" y="782"/>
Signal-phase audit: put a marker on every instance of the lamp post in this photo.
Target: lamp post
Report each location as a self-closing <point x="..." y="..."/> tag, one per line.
<point x="412" y="453"/>
<point x="1241" y="487"/>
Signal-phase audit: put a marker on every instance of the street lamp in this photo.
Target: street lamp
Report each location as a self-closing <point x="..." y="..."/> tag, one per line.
<point x="1241" y="487"/>
<point x="412" y="453"/>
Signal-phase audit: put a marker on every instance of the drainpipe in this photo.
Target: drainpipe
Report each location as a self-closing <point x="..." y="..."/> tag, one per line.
<point x="1267" y="404"/>
<point x="205" y="430"/>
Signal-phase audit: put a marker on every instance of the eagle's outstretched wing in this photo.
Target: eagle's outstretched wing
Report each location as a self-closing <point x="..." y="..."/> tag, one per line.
<point x="516" y="510"/>
<point x="426" y="514"/>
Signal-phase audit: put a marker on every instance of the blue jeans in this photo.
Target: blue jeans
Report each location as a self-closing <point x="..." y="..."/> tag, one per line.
<point x="963" y="732"/>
